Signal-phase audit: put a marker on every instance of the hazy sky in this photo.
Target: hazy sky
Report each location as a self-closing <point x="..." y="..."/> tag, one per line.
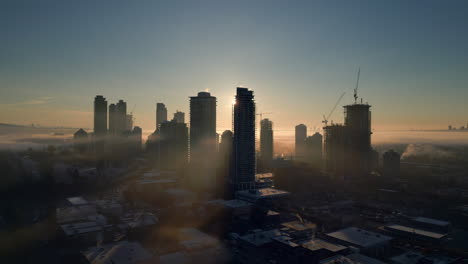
<point x="298" y="57"/>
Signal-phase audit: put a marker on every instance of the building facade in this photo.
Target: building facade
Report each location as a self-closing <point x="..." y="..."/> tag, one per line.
<point x="100" y="116"/>
<point x="300" y="137"/>
<point x="266" y="142"/>
<point x="243" y="177"/>
<point x="161" y="114"/>
<point x="202" y="127"/>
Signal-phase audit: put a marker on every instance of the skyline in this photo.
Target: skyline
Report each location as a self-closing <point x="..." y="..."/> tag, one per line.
<point x="298" y="57"/>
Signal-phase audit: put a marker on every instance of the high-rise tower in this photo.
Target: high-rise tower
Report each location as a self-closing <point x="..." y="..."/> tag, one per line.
<point x="358" y="123"/>
<point x="161" y="114"/>
<point x="202" y="127"/>
<point x="301" y="135"/>
<point x="121" y="116"/>
<point x="266" y="142"/>
<point x="179" y="117"/>
<point x="244" y="140"/>
<point x="100" y="115"/>
<point x="112" y="119"/>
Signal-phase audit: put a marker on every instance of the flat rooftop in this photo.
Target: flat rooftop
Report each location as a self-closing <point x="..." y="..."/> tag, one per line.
<point x="317" y="244"/>
<point x="411" y="230"/>
<point x="236" y="203"/>
<point x="411" y="257"/>
<point x="261" y="237"/>
<point x="299" y="226"/>
<point x="359" y="237"/>
<point x="262" y="193"/>
<point x="264" y="175"/>
<point x="431" y="221"/>
<point x="351" y="259"/>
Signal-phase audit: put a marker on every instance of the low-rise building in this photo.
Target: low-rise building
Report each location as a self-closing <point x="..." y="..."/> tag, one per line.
<point x="370" y="243"/>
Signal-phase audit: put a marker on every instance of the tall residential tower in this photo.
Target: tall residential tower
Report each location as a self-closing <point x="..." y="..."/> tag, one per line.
<point x="100" y="115"/>
<point x="161" y="114"/>
<point x="266" y="142"/>
<point x="244" y="140"/>
<point x="202" y="127"/>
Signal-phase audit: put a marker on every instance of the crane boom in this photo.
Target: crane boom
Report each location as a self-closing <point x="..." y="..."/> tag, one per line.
<point x="357" y="85"/>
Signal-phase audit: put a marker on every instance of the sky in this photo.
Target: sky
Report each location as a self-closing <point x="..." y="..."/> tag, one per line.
<point x="297" y="57"/>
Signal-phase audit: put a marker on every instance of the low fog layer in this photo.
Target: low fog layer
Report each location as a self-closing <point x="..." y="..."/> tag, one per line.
<point x="21" y="137"/>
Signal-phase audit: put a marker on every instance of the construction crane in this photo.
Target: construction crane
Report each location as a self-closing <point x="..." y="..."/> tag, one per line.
<point x="261" y="115"/>
<point x="357" y="85"/>
<point x="131" y="113"/>
<point x="326" y="118"/>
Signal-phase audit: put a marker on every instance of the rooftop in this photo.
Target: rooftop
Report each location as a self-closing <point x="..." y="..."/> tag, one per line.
<point x="299" y="226"/>
<point x="317" y="244"/>
<point x="262" y="193"/>
<point x="411" y="257"/>
<point x="235" y="203"/>
<point x="261" y="237"/>
<point x="264" y="175"/>
<point x="359" y="237"/>
<point x="351" y="259"/>
<point x="431" y="221"/>
<point x="415" y="231"/>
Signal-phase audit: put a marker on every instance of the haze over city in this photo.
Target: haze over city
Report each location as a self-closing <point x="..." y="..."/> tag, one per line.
<point x="250" y="132"/>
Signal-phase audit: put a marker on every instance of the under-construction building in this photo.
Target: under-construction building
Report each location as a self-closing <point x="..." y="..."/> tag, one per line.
<point x="358" y="123"/>
<point x="347" y="148"/>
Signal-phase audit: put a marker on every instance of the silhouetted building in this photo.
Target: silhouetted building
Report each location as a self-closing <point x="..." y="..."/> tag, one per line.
<point x="301" y="135"/>
<point x="358" y="122"/>
<point x="243" y="177"/>
<point x="225" y="163"/>
<point x="335" y="149"/>
<point x="100" y="115"/>
<point x="225" y="147"/>
<point x="347" y="148"/>
<point x="136" y="137"/>
<point x="375" y="159"/>
<point x="80" y="141"/>
<point x="179" y="117"/>
<point x="202" y="127"/>
<point x="313" y="149"/>
<point x="161" y="114"/>
<point x="121" y="117"/>
<point x="173" y="145"/>
<point x="266" y="142"/>
<point x="391" y="164"/>
<point x="128" y="122"/>
<point x="112" y="119"/>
